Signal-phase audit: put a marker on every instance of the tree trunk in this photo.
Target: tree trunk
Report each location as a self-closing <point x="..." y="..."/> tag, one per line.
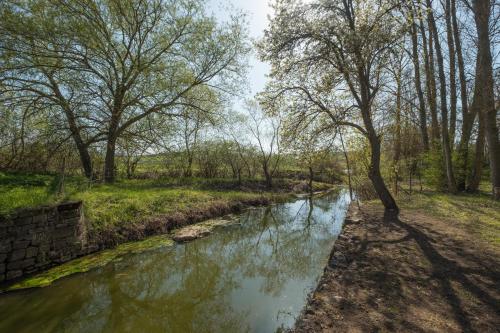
<point x="267" y="175"/>
<point x="109" y="160"/>
<point x="311" y="176"/>
<point x="376" y="177"/>
<point x="430" y="82"/>
<point x="397" y="141"/>
<point x="348" y="166"/>
<point x="418" y="85"/>
<point x="73" y="128"/>
<point x="477" y="168"/>
<point x="374" y="170"/>
<point x="486" y="98"/>
<point x="467" y="117"/>
<point x="189" y="167"/>
<point x="85" y="158"/>
<point x="453" y="84"/>
<point x="450" y="177"/>
<point x="463" y="150"/>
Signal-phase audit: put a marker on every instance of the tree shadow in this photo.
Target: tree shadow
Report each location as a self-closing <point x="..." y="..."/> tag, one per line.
<point x="446" y="271"/>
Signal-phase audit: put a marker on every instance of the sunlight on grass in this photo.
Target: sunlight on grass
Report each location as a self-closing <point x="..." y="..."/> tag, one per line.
<point x="478" y="213"/>
<point x="126" y="201"/>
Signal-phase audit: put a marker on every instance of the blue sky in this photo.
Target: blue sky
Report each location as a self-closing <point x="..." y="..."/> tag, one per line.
<point x="257" y="11"/>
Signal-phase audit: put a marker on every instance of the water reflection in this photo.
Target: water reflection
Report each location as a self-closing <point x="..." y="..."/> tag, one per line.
<point x="250" y="277"/>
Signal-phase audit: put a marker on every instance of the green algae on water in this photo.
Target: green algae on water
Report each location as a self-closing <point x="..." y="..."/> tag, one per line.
<point x="89" y="262"/>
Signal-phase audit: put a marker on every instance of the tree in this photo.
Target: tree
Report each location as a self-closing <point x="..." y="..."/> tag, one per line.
<point x="309" y="143"/>
<point x="131" y="59"/>
<point x="468" y="115"/>
<point x="33" y="70"/>
<point x="322" y="49"/>
<point x="265" y="129"/>
<point x="417" y="78"/>
<point x="484" y="98"/>
<point x="445" y="135"/>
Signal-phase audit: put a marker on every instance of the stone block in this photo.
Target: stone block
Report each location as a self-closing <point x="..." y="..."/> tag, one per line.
<point x="3" y="257"/>
<point x="65" y="232"/>
<point x="20" y="264"/>
<point x="40" y="219"/>
<point x="28" y="263"/>
<point x="44" y="248"/>
<point x="31" y="252"/>
<point x="20" y="231"/>
<point x="5" y="246"/>
<point x="41" y="257"/>
<point x="53" y="255"/>
<point x="15" y="265"/>
<point x="2" y="269"/>
<point x="20" y="244"/>
<point x="42" y="265"/>
<point x="23" y="220"/>
<point x="17" y="255"/>
<point x="13" y="274"/>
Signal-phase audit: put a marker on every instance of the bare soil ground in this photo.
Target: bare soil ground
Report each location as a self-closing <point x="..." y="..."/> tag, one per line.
<point x="412" y="273"/>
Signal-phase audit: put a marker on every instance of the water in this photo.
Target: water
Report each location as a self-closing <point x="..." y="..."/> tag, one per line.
<point x="249" y="277"/>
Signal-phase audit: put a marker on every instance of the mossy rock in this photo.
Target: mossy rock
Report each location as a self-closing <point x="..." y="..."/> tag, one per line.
<point x="92" y="261"/>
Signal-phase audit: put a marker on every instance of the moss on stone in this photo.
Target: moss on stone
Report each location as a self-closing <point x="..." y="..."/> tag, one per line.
<point x="92" y="261"/>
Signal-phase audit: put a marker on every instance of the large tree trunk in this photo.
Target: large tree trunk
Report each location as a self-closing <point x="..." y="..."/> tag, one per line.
<point x="374" y="170"/>
<point x="376" y="177"/>
<point x="450" y="177"/>
<point x="85" y="158"/>
<point x="109" y="161"/>
<point x="82" y="148"/>
<point x="418" y="85"/>
<point x="485" y="94"/>
<point x="467" y="117"/>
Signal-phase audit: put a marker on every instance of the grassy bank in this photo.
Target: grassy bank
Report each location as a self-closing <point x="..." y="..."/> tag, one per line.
<point x="476" y="213"/>
<point x="131" y="202"/>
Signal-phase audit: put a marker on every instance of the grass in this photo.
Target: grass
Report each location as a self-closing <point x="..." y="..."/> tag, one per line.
<point x="130" y="201"/>
<point x="477" y="213"/>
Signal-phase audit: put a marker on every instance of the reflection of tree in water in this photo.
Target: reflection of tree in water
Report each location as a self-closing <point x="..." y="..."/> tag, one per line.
<point x="188" y="288"/>
<point x="161" y="294"/>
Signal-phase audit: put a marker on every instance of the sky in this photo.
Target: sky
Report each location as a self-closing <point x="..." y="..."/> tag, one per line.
<point x="257" y="11"/>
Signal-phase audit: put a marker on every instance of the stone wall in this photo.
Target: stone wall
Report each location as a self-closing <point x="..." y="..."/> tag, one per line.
<point x="33" y="240"/>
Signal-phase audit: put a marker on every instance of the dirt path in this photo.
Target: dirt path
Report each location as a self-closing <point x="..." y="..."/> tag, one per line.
<point x="414" y="273"/>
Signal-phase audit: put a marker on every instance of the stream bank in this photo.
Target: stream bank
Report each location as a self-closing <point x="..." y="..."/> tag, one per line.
<point x="412" y="273"/>
<point x="252" y="275"/>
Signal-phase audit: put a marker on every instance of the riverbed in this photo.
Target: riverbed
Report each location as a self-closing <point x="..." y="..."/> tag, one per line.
<point x="252" y="275"/>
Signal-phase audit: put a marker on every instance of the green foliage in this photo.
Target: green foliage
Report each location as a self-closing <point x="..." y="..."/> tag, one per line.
<point x="433" y="170"/>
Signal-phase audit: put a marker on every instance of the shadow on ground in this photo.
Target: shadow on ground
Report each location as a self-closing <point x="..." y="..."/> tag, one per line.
<point x="411" y="273"/>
